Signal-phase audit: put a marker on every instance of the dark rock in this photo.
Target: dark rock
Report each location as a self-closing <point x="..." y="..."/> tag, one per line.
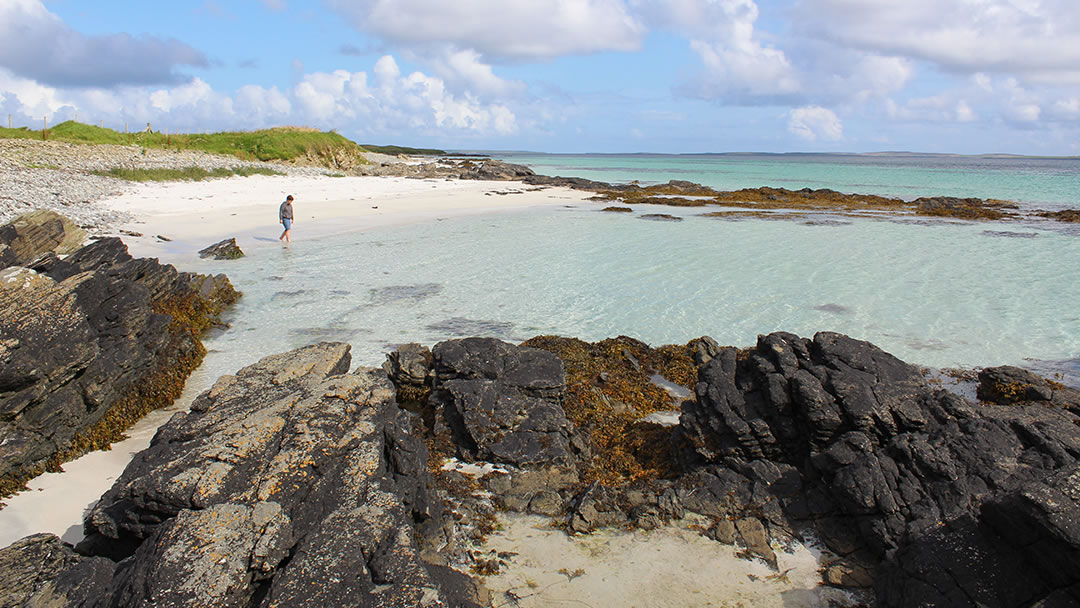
<point x="840" y="435"/>
<point x="35" y="234"/>
<point x="1007" y="385"/>
<point x="409" y="368"/>
<point x="291" y="483"/>
<point x="89" y="346"/>
<point x="618" y="209"/>
<point x="40" y="570"/>
<point x="223" y="250"/>
<point x="660" y="217"/>
<point x="576" y="183"/>
<point x="962" y="208"/>
<point x="502" y="403"/>
<point x="497" y="170"/>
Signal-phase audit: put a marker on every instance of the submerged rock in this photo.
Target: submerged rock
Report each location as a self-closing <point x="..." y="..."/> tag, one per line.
<point x="1008" y="385"/>
<point x="88" y="345"/>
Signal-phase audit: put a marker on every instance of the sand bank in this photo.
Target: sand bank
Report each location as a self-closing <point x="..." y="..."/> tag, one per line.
<point x="193" y="215"/>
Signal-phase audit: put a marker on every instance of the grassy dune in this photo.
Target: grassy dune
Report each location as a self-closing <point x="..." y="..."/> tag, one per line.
<point x="280" y="143"/>
<point x="197" y="174"/>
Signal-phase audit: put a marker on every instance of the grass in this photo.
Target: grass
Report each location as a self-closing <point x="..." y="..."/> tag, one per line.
<point x="190" y="173"/>
<point x="280" y="143"/>
<point x="403" y="150"/>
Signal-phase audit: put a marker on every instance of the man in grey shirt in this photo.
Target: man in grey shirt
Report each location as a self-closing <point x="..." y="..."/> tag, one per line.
<point x="285" y="216"/>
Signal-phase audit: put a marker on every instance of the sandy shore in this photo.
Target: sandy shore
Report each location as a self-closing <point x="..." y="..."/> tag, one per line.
<point x="669" y="567"/>
<point x="193" y="215"/>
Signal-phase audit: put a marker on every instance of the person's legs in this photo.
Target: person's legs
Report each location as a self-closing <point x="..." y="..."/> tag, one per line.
<point x="285" y="235"/>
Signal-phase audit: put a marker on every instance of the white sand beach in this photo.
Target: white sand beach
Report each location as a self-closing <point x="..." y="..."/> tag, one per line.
<point x="193" y="215"/>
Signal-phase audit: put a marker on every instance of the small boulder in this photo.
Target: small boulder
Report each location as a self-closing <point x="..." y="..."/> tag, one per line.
<point x="224" y="250"/>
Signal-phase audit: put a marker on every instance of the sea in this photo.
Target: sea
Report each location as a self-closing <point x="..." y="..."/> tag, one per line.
<point x="939" y="293"/>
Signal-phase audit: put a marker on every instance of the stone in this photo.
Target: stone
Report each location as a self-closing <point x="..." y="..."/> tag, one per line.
<point x="291" y="483"/>
<point x="41" y="570"/>
<point x="223" y="250"/>
<point x="660" y="217"/>
<point x="410" y="369"/>
<point x="88" y="346"/>
<point x="497" y="170"/>
<point x="502" y="403"/>
<point x="1007" y="385"/>
<point x="547" y="503"/>
<point x="32" y="235"/>
<point x="945" y="497"/>
<point x="843" y="574"/>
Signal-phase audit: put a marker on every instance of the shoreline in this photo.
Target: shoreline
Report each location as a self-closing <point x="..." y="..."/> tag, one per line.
<point x="194" y="215"/>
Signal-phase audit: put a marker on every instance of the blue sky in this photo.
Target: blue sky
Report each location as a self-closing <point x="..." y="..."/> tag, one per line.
<point x="963" y="76"/>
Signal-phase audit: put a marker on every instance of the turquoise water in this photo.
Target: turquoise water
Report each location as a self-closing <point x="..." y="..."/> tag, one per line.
<point x="1047" y="183"/>
<point x="941" y="294"/>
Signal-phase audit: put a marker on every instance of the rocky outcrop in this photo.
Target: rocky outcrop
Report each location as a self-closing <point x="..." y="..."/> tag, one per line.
<point x="31" y="236"/>
<point x="88" y="345"/>
<point x="964" y="208"/>
<point x="292" y="483"/>
<point x="40" y="570"/>
<point x="501" y="403"/>
<point x="884" y="464"/>
<point x="223" y="250"/>
<point x="496" y="170"/>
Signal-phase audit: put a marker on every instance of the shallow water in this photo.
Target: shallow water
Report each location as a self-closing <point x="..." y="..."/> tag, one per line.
<point x="1049" y="183"/>
<point x="945" y="294"/>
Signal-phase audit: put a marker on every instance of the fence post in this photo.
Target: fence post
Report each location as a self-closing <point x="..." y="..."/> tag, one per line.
<point x="45" y="128"/>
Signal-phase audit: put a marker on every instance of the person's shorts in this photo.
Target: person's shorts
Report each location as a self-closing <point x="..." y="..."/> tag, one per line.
<point x="288" y="224"/>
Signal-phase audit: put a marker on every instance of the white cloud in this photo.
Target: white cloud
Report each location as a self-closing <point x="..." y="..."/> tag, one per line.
<point x="814" y="122"/>
<point x="38" y="45"/>
<point x="465" y="70"/>
<point x="511" y="29"/>
<point x="383" y="101"/>
<point x="1035" y="40"/>
<point x="739" y="65"/>
<point x="939" y="108"/>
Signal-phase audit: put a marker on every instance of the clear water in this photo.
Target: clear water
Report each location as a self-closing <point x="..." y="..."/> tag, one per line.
<point x="1045" y="182"/>
<point x="945" y="294"/>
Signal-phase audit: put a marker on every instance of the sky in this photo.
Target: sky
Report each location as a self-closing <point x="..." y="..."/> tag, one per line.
<point x="676" y="76"/>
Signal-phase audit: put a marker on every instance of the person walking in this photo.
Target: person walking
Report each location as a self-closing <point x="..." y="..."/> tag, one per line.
<point x="285" y="217"/>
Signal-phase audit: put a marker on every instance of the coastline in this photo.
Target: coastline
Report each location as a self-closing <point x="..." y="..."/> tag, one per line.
<point x="194" y="215"/>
